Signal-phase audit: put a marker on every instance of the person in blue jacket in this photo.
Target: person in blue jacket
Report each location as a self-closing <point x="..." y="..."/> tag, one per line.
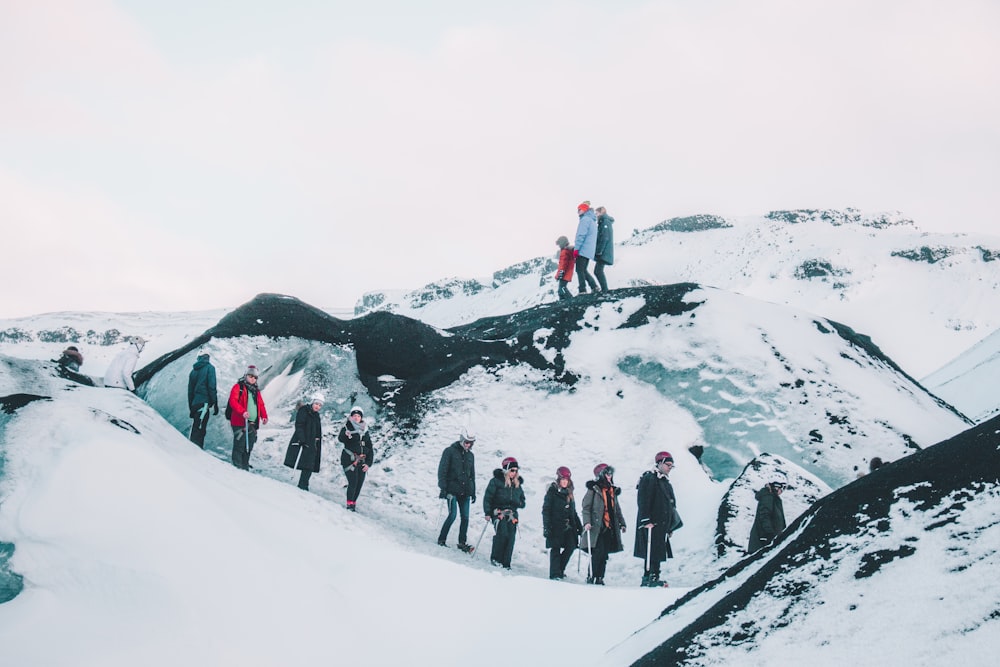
<point x="585" y="246"/>
<point x="202" y="397"/>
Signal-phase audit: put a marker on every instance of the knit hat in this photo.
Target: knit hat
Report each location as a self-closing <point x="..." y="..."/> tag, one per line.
<point x="562" y="241"/>
<point x="357" y="411"/>
<point x="583" y="207"/>
<point x="563" y="472"/>
<point x="252" y="370"/>
<point x="508" y="463"/>
<point x="664" y="456"/>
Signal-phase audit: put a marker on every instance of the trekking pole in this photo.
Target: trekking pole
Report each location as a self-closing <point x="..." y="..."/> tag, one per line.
<point x="475" y="549"/>
<point x="649" y="544"/>
<point x="247" y="433"/>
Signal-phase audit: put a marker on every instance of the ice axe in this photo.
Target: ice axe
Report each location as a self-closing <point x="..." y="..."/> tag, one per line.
<point x="649" y="544"/>
<point x="475" y="549"/>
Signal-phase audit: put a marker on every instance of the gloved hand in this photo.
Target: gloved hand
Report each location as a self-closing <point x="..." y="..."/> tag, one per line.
<point x="215" y="409"/>
<point x="623" y="529"/>
<point x="194" y="413"/>
<point x="473" y="500"/>
<point x="559" y="275"/>
<point x="443" y="494"/>
<point x="545" y="533"/>
<point x="576" y="253"/>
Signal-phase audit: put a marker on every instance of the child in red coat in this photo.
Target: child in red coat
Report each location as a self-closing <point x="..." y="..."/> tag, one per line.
<point x="565" y="273"/>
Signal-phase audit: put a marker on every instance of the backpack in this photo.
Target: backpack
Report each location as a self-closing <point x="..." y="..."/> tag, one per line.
<point x="229" y="407"/>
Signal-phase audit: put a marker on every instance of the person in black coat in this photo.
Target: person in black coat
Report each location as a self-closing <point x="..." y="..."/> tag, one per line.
<point x="501" y="500"/>
<point x="306" y="446"/>
<point x="657" y="519"/>
<point x="202" y="397"/>
<point x="457" y="485"/>
<point x="770" y="517"/>
<point x="604" y="255"/>
<point x="560" y="523"/>
<point x="357" y="454"/>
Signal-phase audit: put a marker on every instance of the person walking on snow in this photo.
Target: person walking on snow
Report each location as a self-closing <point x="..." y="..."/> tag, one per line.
<point x="564" y="274"/>
<point x="560" y="523"/>
<point x="604" y="251"/>
<point x="457" y="483"/>
<point x="246" y="405"/>
<point x="656" y="520"/>
<point x="603" y="522"/>
<point x="202" y="397"/>
<point x="770" y="518"/>
<point x="503" y="497"/>
<point x="357" y="454"/>
<point x="585" y="246"/>
<point x="119" y="373"/>
<point x="305" y="449"/>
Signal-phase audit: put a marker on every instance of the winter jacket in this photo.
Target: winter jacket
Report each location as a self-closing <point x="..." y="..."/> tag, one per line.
<point x="592" y="511"/>
<point x="566" y="264"/>
<point x="560" y="522"/>
<point x="357" y="443"/>
<point x="305" y="449"/>
<point x="605" y="248"/>
<point x="499" y="496"/>
<point x="457" y="471"/>
<point x="119" y="373"/>
<point x="71" y="359"/>
<point x="239" y="399"/>
<point x="201" y="384"/>
<point x="656" y="505"/>
<point x="586" y="234"/>
<point x="769" y="522"/>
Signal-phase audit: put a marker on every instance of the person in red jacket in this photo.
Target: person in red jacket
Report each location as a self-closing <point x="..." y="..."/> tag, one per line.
<point x="247" y="414"/>
<point x="565" y="272"/>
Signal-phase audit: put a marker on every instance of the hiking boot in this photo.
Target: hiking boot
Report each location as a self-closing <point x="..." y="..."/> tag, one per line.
<point x="598" y="581"/>
<point x="645" y="581"/>
<point x="467" y="548"/>
<point x="590" y="580"/>
<point x="442" y="543"/>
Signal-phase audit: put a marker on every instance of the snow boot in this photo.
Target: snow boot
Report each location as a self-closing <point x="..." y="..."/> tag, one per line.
<point x="467" y="548"/>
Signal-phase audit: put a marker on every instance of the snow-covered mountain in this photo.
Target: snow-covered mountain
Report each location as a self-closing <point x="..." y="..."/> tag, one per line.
<point x="923" y="298"/>
<point x="971" y="382"/>
<point x="109" y="517"/>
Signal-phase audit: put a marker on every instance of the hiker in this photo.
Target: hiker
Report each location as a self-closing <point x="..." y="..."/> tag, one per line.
<point x="585" y="245"/>
<point x="305" y="449"/>
<point x="71" y="359"/>
<point x="564" y="274"/>
<point x="202" y="397"/>
<point x="656" y="520"/>
<point x="770" y="518"/>
<point x="247" y="415"/>
<point x="604" y="252"/>
<point x="560" y="523"/>
<point x="501" y="500"/>
<point x="119" y="373"/>
<point x="603" y="522"/>
<point x="457" y="483"/>
<point x="357" y="455"/>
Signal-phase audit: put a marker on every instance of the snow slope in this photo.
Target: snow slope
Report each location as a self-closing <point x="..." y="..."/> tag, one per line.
<point x="971" y="382"/>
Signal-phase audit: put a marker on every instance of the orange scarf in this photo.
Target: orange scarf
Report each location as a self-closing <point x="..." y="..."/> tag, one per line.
<point x="609" y="501"/>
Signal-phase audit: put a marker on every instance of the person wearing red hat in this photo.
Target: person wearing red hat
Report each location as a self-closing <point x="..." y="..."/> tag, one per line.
<point x="560" y="523"/>
<point x="603" y="521"/>
<point x="657" y="519"/>
<point x="585" y="246"/>
<point x="503" y="497"/>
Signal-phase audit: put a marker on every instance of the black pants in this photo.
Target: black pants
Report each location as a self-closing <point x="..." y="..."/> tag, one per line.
<point x="559" y="556"/>
<point x="457" y="504"/>
<point x="599" y="273"/>
<point x="200" y="426"/>
<point x="583" y="276"/>
<point x="564" y="289"/>
<point x="355" y="480"/>
<point x="599" y="554"/>
<point x="244" y="438"/>
<point x="304" y="479"/>
<point x="503" y="541"/>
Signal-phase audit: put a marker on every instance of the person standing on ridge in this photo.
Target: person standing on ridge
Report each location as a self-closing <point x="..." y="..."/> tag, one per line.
<point x="603" y="522"/>
<point x="769" y="520"/>
<point x="121" y="368"/>
<point x="357" y="454"/>
<point x="457" y="483"/>
<point x="501" y="500"/>
<point x="560" y="523"/>
<point x="604" y="252"/>
<point x="247" y="415"/>
<point x="585" y="246"/>
<point x="564" y="274"/>
<point x="656" y="519"/>
<point x="305" y="449"/>
<point x="202" y="397"/>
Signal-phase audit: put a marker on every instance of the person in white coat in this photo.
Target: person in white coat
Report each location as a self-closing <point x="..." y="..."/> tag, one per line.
<point x="119" y="373"/>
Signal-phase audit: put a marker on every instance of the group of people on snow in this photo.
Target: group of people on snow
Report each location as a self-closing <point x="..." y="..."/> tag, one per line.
<point x="594" y="241"/>
<point x="598" y="533"/>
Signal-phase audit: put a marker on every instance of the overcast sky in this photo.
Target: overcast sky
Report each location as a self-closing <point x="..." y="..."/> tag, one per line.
<point x="187" y="155"/>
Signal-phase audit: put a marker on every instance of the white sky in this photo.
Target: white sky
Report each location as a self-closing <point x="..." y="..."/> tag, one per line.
<point x="192" y="154"/>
